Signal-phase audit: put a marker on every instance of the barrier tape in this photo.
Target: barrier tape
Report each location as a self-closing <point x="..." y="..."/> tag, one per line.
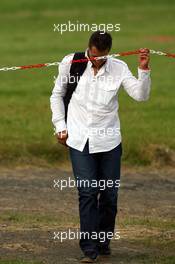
<point x="14" y="68"/>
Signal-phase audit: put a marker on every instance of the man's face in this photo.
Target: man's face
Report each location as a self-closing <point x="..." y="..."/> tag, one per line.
<point x="94" y="52"/>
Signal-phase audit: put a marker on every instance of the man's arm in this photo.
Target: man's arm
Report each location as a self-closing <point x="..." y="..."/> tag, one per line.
<point x="138" y="89"/>
<point x="56" y="99"/>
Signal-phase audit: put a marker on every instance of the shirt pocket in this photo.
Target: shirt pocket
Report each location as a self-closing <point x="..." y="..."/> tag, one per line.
<point x="108" y="91"/>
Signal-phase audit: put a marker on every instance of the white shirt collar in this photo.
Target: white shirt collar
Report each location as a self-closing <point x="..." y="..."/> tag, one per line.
<point x="106" y="65"/>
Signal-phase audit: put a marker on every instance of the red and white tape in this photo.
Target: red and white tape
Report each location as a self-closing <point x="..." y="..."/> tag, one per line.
<point x="14" y="68"/>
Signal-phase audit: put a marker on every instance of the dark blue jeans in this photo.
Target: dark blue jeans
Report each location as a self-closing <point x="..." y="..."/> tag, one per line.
<point x="97" y="205"/>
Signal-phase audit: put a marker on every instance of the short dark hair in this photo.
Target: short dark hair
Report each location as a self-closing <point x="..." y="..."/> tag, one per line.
<point x="101" y="40"/>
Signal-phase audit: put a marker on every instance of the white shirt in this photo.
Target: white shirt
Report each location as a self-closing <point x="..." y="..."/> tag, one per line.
<point x="93" y="108"/>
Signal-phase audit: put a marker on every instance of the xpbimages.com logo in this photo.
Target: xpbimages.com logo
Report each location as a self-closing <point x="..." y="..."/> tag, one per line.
<point x="75" y="235"/>
<point x="83" y="27"/>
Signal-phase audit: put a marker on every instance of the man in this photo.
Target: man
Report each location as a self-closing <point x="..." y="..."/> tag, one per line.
<point x="96" y="156"/>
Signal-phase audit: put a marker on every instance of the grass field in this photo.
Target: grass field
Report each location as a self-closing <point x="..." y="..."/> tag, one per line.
<point x="27" y="37"/>
<point x="29" y="207"/>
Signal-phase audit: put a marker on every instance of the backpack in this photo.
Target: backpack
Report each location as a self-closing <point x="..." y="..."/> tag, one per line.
<point x="76" y="71"/>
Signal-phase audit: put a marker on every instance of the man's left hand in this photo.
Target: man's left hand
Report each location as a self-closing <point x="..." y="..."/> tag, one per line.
<point x="144" y="59"/>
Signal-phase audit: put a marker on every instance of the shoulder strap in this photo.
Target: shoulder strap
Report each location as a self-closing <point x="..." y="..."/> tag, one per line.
<point x="76" y="71"/>
<point x="78" y="68"/>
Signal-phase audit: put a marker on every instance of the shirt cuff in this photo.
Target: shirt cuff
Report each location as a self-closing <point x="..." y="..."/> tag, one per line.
<point x="141" y="70"/>
<point x="143" y="74"/>
<point x="60" y="126"/>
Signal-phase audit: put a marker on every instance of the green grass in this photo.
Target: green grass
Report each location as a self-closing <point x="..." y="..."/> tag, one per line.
<point x="21" y="219"/>
<point x="50" y="219"/>
<point x="27" y="36"/>
<point x="148" y="222"/>
<point x="144" y="259"/>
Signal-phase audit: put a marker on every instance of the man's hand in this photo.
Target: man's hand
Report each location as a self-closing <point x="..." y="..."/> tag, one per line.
<point x="144" y="59"/>
<point x="62" y="137"/>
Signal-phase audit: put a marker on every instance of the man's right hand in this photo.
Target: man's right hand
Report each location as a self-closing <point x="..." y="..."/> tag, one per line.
<point x="62" y="137"/>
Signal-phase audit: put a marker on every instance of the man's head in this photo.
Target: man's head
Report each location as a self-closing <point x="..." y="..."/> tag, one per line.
<point x="100" y="44"/>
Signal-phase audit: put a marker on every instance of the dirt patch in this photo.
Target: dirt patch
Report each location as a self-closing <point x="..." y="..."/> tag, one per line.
<point x="31" y="210"/>
<point x="162" y="39"/>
